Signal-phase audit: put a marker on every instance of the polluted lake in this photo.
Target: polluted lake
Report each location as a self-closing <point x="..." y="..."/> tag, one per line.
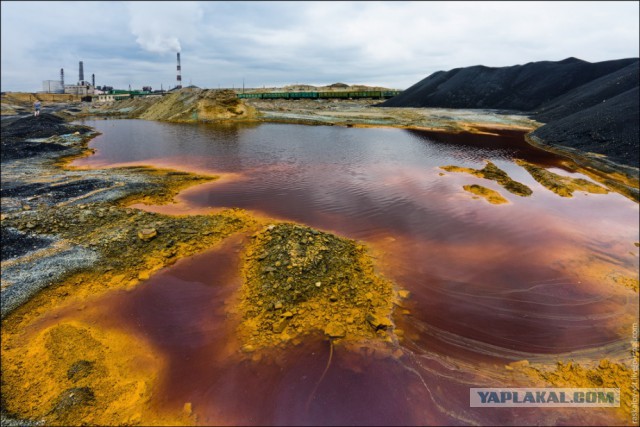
<point x="379" y="274"/>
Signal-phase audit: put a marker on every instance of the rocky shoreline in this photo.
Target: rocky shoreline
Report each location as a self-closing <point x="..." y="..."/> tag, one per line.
<point x="70" y="232"/>
<point x="36" y="150"/>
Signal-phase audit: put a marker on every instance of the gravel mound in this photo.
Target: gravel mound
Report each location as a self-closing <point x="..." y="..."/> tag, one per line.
<point x="610" y="128"/>
<point x="591" y="94"/>
<point x="43" y="126"/>
<point x="587" y="106"/>
<point x="15" y="133"/>
<point x="519" y="87"/>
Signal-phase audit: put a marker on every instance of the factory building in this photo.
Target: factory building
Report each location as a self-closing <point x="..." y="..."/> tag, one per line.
<point x="88" y="89"/>
<point x="82" y="90"/>
<point x="83" y="87"/>
<point x="52" y="86"/>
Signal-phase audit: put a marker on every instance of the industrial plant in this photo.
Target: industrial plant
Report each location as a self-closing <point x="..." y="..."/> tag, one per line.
<point x="81" y="88"/>
<point x="90" y="92"/>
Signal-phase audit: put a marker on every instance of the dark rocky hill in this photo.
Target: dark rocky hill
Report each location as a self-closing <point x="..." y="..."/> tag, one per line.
<point x="590" y="94"/>
<point x="588" y="106"/>
<point x="609" y="127"/>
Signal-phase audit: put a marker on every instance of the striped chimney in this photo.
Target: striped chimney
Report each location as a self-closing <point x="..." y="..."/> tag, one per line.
<point x="179" y="76"/>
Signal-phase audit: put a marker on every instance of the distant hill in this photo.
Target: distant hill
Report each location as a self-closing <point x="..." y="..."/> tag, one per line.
<point x="589" y="106"/>
<point x="328" y="88"/>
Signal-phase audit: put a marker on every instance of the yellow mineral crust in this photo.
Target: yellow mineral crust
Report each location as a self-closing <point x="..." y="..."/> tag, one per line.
<point x="563" y="186"/>
<point x="489" y="195"/>
<point x="606" y="374"/>
<point x="77" y="374"/>
<point x="494" y="173"/>
<point x="299" y="281"/>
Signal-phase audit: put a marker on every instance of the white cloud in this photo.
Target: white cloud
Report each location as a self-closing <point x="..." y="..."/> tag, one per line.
<point x="160" y="26"/>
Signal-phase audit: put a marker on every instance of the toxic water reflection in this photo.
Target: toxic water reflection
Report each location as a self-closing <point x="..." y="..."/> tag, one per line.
<point x="489" y="284"/>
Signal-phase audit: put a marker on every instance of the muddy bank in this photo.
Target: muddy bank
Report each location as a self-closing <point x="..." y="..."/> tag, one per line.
<point x="589" y="110"/>
<point x="360" y="113"/>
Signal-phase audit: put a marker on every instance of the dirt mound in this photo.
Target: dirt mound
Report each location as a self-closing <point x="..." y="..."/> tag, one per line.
<point x="300" y="280"/>
<point x="27" y="99"/>
<point x="14" y="103"/>
<point x="198" y="105"/>
<point x="186" y="105"/>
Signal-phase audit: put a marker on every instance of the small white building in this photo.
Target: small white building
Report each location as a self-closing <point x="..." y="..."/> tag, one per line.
<point x="106" y="97"/>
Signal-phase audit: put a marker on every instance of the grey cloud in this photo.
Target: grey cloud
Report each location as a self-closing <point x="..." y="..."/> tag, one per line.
<point x="389" y="43"/>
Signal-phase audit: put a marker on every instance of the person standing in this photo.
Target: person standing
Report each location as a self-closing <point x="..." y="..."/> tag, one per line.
<point x="36" y="106"/>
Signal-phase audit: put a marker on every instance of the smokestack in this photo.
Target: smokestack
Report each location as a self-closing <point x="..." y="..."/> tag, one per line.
<point x="93" y="80"/>
<point x="179" y="77"/>
<point x="81" y="73"/>
<point x="62" y="78"/>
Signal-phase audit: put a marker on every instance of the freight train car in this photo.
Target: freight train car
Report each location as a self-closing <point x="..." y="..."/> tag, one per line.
<point x="372" y="94"/>
<point x="303" y="95"/>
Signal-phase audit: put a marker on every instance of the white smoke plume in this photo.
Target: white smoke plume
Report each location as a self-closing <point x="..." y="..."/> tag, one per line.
<point x="160" y="27"/>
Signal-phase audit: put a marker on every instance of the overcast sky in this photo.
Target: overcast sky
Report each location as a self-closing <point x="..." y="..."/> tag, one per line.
<point x="392" y="44"/>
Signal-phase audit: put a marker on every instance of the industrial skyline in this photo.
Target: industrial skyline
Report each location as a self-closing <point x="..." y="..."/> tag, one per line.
<point x="392" y="44"/>
<point x="54" y="86"/>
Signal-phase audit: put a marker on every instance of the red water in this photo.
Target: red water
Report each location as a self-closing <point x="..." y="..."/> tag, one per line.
<point x="489" y="284"/>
